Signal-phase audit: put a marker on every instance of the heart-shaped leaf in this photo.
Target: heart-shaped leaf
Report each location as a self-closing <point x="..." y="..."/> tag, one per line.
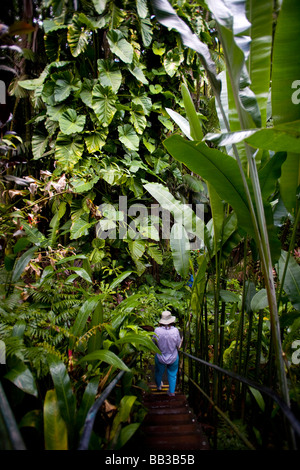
<point x="94" y="141"/>
<point x="103" y="103"/>
<point x="68" y="150"/>
<point x="128" y="137"/>
<point x="119" y="46"/>
<point x="109" y="74"/>
<point x="71" y="123"/>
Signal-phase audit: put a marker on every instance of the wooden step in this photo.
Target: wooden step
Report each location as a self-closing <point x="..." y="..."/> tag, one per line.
<point x="164" y="400"/>
<point x="170" y="424"/>
<point x="166" y="419"/>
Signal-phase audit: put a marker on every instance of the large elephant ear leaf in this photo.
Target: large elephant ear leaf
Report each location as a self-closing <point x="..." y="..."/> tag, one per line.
<point x="71" y="123"/>
<point x="119" y="46"/>
<point x="109" y="74"/>
<point x="68" y="150"/>
<point x="77" y="37"/>
<point x="103" y="103"/>
<point x="79" y="32"/>
<point x="40" y="141"/>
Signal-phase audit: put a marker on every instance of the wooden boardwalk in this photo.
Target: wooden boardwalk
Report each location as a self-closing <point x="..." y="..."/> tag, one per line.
<point x="170" y="424"/>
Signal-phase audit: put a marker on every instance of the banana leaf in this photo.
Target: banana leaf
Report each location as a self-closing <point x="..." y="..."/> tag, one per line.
<point x="218" y="169"/>
<point x="285" y="71"/>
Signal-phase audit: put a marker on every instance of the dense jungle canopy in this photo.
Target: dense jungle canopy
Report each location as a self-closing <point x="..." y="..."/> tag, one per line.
<point x="149" y="157"/>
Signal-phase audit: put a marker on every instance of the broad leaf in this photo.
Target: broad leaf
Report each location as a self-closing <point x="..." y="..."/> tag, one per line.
<point x="180" y="246"/>
<point x="68" y="150"/>
<point x="106" y="356"/>
<point x="128" y="137"/>
<point x="270" y="173"/>
<point x="39" y="144"/>
<point x="258" y="397"/>
<point x="21" y="263"/>
<point x="142" y="8"/>
<point x="21" y="377"/>
<point x="71" y="123"/>
<point x="259" y="301"/>
<point x="137" y="248"/>
<point x="86" y="91"/>
<point x="120" y="278"/>
<point x="80" y="323"/>
<point x="233" y="26"/>
<point x="182" y="213"/>
<point x="34" y="235"/>
<point x="285" y="69"/>
<point x="122" y="416"/>
<point x="109" y="74"/>
<point x="260" y="15"/>
<point x="65" y="396"/>
<point x="94" y="141"/>
<point x="228" y="296"/>
<point x="119" y="46"/>
<point x="88" y="400"/>
<point x="289" y="181"/>
<point x="80" y="227"/>
<point x="146" y="31"/>
<point x="285" y="82"/>
<point x="55" y="429"/>
<point x="64" y="84"/>
<point x="99" y="5"/>
<point x="172" y="61"/>
<point x="126" y="433"/>
<point x="95" y="342"/>
<point x="291" y="283"/>
<point x="182" y="123"/>
<point x="81" y="272"/>
<point x="55" y="112"/>
<point x="155" y="253"/>
<point x="144" y="101"/>
<point x="138" y="120"/>
<point x="138" y="73"/>
<point x="139" y="340"/>
<point x="103" y="103"/>
<point x="217" y="168"/>
<point x="78" y="36"/>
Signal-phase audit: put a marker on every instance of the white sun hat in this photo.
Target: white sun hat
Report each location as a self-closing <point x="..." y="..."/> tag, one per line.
<point x="166" y="318"/>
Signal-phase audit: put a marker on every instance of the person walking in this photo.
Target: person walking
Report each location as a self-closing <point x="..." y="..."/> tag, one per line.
<point x="168" y="340"/>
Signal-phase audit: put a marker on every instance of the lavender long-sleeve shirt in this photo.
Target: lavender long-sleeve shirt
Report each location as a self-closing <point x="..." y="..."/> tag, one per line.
<point x="168" y="341"/>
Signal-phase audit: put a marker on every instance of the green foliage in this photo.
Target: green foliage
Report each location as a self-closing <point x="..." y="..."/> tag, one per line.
<point x="110" y="88"/>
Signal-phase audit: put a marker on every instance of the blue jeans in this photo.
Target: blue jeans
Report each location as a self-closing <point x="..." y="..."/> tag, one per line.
<point x="172" y="370"/>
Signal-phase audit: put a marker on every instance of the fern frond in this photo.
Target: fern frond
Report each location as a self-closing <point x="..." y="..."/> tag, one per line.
<point x="51" y="350"/>
<point x="14" y="346"/>
<point x="91" y="332"/>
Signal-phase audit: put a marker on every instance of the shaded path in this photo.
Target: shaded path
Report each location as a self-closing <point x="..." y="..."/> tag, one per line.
<point x="170" y="424"/>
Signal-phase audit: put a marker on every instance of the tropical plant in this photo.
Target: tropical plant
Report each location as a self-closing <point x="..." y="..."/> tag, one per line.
<point x="245" y="177"/>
